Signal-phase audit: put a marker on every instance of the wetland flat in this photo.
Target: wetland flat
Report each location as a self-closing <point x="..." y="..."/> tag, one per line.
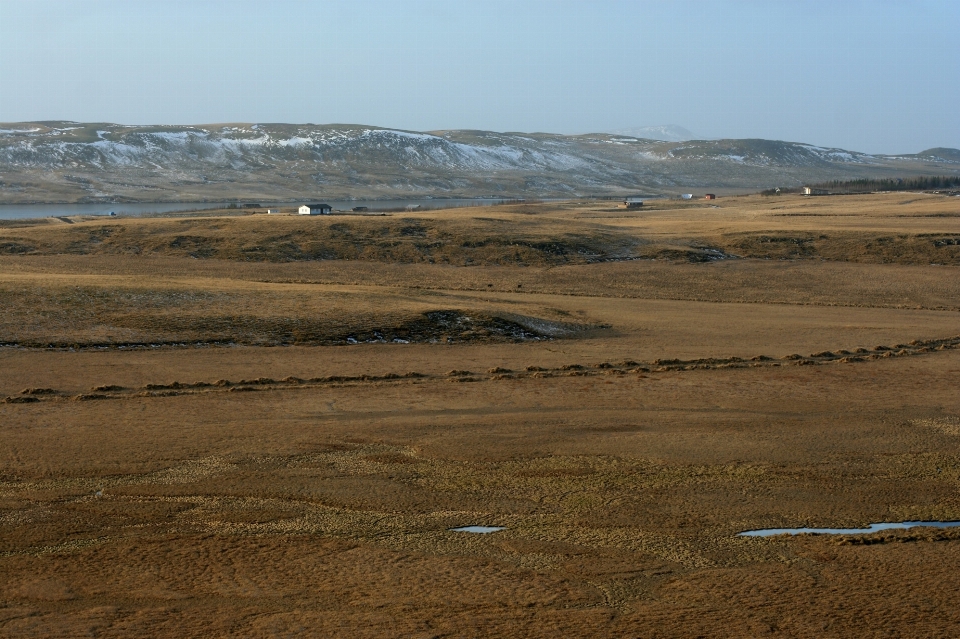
<point x="253" y="426"/>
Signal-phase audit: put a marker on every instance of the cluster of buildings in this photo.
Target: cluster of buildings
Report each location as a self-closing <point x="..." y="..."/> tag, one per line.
<point x="315" y="209"/>
<point x="636" y="203"/>
<point x="322" y="208"/>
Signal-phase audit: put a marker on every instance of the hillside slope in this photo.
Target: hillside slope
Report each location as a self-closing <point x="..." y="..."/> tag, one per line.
<point x="89" y="162"/>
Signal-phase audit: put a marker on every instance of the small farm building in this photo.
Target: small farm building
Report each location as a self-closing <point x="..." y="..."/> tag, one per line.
<point x="812" y="191"/>
<point x="709" y="196"/>
<point x="315" y="209"/>
<point x="631" y="204"/>
<point x="272" y="211"/>
<point x="687" y="196"/>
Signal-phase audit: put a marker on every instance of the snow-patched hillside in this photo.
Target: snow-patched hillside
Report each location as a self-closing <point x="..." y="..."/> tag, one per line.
<point x="66" y="161"/>
<point x="253" y="145"/>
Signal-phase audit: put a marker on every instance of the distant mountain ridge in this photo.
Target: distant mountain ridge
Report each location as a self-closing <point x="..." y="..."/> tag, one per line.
<point x="664" y="132"/>
<point x="89" y="162"/>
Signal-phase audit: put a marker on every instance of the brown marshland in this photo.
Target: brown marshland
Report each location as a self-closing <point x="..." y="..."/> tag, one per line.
<point x="218" y="425"/>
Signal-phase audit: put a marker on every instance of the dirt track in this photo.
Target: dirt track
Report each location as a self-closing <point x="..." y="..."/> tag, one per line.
<point x="308" y="490"/>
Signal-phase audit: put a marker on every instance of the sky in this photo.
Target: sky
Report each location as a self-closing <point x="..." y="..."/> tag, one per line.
<point x="867" y="75"/>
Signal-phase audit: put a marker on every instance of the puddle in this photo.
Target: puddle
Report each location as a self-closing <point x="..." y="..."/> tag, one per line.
<point x="482" y="530"/>
<point x="872" y="528"/>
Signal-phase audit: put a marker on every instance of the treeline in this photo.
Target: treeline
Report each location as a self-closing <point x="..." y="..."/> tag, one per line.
<point x="867" y="185"/>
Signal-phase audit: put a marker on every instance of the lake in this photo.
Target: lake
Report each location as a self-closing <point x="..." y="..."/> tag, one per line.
<point x="24" y="211"/>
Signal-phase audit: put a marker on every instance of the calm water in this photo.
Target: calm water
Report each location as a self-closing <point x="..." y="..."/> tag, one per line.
<point x="481" y="530"/>
<point x="22" y="211"/>
<point x="872" y="528"/>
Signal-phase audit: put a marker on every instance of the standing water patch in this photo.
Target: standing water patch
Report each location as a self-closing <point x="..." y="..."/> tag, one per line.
<point x="872" y="528"/>
<point x="482" y="530"/>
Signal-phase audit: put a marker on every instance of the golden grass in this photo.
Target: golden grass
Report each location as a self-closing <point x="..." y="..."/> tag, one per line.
<point x="191" y="447"/>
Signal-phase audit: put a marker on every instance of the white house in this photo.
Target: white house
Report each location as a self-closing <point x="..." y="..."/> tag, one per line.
<point x="315" y="209"/>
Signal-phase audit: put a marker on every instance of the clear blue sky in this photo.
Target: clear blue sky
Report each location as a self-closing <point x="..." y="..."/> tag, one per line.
<point x="875" y="76"/>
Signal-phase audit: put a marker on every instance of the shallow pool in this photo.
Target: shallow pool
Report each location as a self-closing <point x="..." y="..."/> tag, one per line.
<point x="482" y="530"/>
<point x="872" y="528"/>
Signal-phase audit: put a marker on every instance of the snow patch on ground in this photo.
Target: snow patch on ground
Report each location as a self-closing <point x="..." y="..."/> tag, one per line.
<point x="178" y="136"/>
<point x="296" y="141"/>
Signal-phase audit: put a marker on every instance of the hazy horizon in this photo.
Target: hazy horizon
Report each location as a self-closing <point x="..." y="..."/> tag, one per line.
<point x="877" y="77"/>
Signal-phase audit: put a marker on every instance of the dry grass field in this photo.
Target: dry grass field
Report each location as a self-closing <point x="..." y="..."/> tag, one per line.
<point x="218" y="425"/>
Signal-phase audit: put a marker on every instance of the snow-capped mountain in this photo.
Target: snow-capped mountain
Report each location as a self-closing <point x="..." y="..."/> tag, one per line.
<point x="69" y="161"/>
